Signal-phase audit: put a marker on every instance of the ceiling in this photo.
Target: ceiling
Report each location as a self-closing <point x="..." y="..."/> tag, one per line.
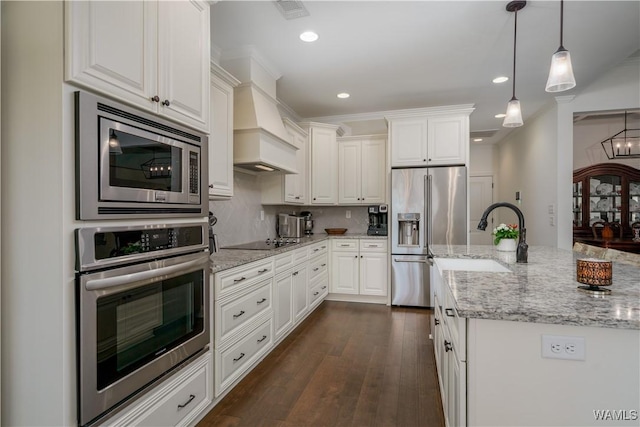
<point x="392" y="55"/>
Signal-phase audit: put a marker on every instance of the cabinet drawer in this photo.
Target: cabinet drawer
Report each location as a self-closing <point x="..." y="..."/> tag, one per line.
<point x="454" y="324"/>
<point x="177" y="401"/>
<point x="318" y="289"/>
<point x="318" y="248"/>
<point x="300" y="255"/>
<point x="317" y="266"/>
<point x="234" y="361"/>
<point x="370" y="245"/>
<point x="282" y="262"/>
<point x="344" y="244"/>
<point x="241" y="277"/>
<point x="236" y="311"/>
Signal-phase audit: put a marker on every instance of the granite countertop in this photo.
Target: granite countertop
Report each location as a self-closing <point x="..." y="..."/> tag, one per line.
<point x="542" y="291"/>
<point x="229" y="258"/>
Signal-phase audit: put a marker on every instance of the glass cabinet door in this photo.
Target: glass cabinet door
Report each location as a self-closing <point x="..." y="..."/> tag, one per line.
<point x="634" y="202"/>
<point x="577" y="204"/>
<point x="605" y="201"/>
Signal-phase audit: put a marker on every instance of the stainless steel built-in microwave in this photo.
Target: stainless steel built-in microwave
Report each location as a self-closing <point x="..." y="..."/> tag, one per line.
<point x="131" y="164"/>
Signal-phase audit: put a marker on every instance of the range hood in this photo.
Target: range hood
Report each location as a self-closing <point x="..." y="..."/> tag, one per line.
<point x="260" y="141"/>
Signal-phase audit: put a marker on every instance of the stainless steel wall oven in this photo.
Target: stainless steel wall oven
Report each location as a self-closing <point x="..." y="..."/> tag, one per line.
<point x="135" y="165"/>
<point x="142" y="296"/>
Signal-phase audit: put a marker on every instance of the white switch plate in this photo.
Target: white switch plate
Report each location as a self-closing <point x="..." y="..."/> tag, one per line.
<point x="562" y="347"/>
<point x="261" y="215"/>
<point x="552" y="220"/>
<point x="552" y="209"/>
<point x="348" y="214"/>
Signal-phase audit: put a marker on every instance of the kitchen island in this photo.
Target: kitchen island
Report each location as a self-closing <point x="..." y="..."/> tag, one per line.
<point x="525" y="347"/>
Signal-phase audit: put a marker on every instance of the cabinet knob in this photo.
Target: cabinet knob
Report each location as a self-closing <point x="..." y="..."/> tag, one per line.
<point x="429" y="159"/>
<point x="424" y="160"/>
<point x="210" y="185"/>
<point x="314" y="198"/>
<point x="166" y="103"/>
<point x="155" y="98"/>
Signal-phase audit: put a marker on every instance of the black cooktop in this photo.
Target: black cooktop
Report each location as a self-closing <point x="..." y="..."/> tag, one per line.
<point x="262" y="245"/>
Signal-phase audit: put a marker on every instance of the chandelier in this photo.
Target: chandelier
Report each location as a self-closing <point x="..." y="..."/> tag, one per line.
<point x="624" y="144"/>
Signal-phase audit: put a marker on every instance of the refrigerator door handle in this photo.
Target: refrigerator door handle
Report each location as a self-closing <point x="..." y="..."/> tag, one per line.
<point x="428" y="224"/>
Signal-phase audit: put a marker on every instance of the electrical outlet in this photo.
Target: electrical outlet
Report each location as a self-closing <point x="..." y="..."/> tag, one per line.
<point x="561" y="347"/>
<point x="552" y="220"/>
<point x="261" y="215"/>
<point x="348" y="214"/>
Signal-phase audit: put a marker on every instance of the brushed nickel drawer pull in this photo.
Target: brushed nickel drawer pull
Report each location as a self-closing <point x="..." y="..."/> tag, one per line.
<point x="315" y="293"/>
<point x="447" y="346"/>
<point x="324" y="287"/>
<point x="235" y="316"/>
<point x="263" y="271"/>
<point x="323" y="265"/>
<point x="295" y="273"/>
<point x="261" y="301"/>
<point x="191" y="397"/>
<point x="449" y="312"/>
<point x="316" y="249"/>
<point x="264" y="337"/>
<point x="239" y="280"/>
<point x="241" y="356"/>
<point x="316" y="269"/>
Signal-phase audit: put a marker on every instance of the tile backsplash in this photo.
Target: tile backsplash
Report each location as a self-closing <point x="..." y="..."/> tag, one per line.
<point x="239" y="219"/>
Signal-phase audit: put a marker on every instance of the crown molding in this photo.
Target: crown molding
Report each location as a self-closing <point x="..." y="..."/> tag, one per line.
<point x="250" y="51"/>
<point x="382" y="115"/>
<point x="224" y="75"/>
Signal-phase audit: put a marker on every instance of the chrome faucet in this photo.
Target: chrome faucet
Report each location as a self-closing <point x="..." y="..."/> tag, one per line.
<point x="523" y="248"/>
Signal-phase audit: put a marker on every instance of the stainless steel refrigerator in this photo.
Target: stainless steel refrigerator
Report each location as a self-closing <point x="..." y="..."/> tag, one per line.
<point x="428" y="206"/>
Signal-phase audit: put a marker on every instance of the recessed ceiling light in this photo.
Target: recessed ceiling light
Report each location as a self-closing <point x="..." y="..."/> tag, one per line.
<point x="343" y="95"/>
<point x="477" y="139"/>
<point x="500" y="79"/>
<point x="500" y="116"/>
<point x="308" y="36"/>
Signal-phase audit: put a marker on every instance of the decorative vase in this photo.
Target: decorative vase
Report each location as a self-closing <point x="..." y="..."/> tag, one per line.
<point x="507" y="245"/>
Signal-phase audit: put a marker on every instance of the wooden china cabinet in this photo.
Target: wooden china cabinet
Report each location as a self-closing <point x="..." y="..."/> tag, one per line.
<point x="607" y="192"/>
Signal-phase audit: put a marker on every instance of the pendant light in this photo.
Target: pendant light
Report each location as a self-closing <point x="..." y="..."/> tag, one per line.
<point x="561" y="72"/>
<point x="114" y="143"/>
<point x="514" y="114"/>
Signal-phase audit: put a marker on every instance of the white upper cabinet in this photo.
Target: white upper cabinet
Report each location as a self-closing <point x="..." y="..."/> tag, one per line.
<point x="430" y="136"/>
<point x="221" y="137"/>
<point x="289" y="188"/>
<point x="323" y="161"/>
<point x="362" y="170"/>
<point x="158" y="59"/>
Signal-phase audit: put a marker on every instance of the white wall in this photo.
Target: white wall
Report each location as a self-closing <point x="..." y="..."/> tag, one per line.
<point x="482" y="159"/>
<point x="527" y="164"/>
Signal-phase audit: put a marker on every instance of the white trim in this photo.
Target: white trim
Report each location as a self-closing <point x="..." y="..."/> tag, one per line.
<point x="412" y="112"/>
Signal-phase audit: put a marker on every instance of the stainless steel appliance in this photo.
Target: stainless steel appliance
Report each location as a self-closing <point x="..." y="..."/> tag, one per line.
<point x="130" y="164"/>
<point x="428" y="206"/>
<point x="142" y="297"/>
<point x="265" y="245"/>
<point x="377" y="220"/>
<point x="290" y="226"/>
<point x="308" y="223"/>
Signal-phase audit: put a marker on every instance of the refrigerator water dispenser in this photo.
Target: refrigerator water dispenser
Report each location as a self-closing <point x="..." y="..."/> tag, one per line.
<point x="409" y="226"/>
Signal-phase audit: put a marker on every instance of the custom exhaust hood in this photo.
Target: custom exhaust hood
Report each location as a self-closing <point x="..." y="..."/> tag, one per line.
<point x="260" y="141"/>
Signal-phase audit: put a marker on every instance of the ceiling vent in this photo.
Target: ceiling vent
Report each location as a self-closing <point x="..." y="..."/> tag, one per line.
<point x="291" y="9"/>
<point x="483" y="133"/>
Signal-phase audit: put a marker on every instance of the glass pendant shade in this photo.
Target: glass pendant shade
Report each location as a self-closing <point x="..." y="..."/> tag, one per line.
<point x="513" y="118"/>
<point x="561" y="73"/>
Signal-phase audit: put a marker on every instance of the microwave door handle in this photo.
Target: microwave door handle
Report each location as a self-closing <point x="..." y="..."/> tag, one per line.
<point x="110" y="282"/>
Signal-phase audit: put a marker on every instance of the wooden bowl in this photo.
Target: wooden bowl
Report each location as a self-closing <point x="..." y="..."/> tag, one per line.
<point x="335" y="231"/>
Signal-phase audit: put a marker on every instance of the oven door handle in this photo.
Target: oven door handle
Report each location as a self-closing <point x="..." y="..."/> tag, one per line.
<point x="110" y="282"/>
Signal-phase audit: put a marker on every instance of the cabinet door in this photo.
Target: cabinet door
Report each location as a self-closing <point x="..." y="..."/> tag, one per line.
<point x="373" y="274"/>
<point x="294" y="184"/>
<point x="373" y="171"/>
<point x="324" y="166"/>
<point x="283" y="307"/>
<point x="221" y="140"/>
<point x="408" y="139"/>
<point x="448" y="140"/>
<point x="300" y="302"/>
<point x="344" y="272"/>
<point x="184" y="61"/>
<point x="349" y="172"/>
<point x="120" y="63"/>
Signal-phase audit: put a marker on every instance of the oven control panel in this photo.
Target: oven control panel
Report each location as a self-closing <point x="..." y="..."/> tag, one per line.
<point x="103" y="246"/>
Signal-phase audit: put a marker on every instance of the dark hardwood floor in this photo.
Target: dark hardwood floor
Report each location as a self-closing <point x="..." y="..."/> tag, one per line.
<point x="347" y="364"/>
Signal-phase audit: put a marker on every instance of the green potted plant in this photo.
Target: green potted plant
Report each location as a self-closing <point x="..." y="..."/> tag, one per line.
<point x="505" y="236"/>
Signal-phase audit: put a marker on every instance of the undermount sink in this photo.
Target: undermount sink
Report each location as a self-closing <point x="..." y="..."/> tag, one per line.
<point x="471" y="264"/>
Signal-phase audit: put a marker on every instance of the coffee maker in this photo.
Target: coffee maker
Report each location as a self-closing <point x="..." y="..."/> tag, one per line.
<point x="308" y="223"/>
<point x="377" y="220"/>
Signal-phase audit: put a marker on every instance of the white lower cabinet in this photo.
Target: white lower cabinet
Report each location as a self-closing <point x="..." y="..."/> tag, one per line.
<point x="449" y="343"/>
<point x="359" y="267"/>
<point x="283" y="313"/>
<point x="176" y="402"/>
<point x="300" y="298"/>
